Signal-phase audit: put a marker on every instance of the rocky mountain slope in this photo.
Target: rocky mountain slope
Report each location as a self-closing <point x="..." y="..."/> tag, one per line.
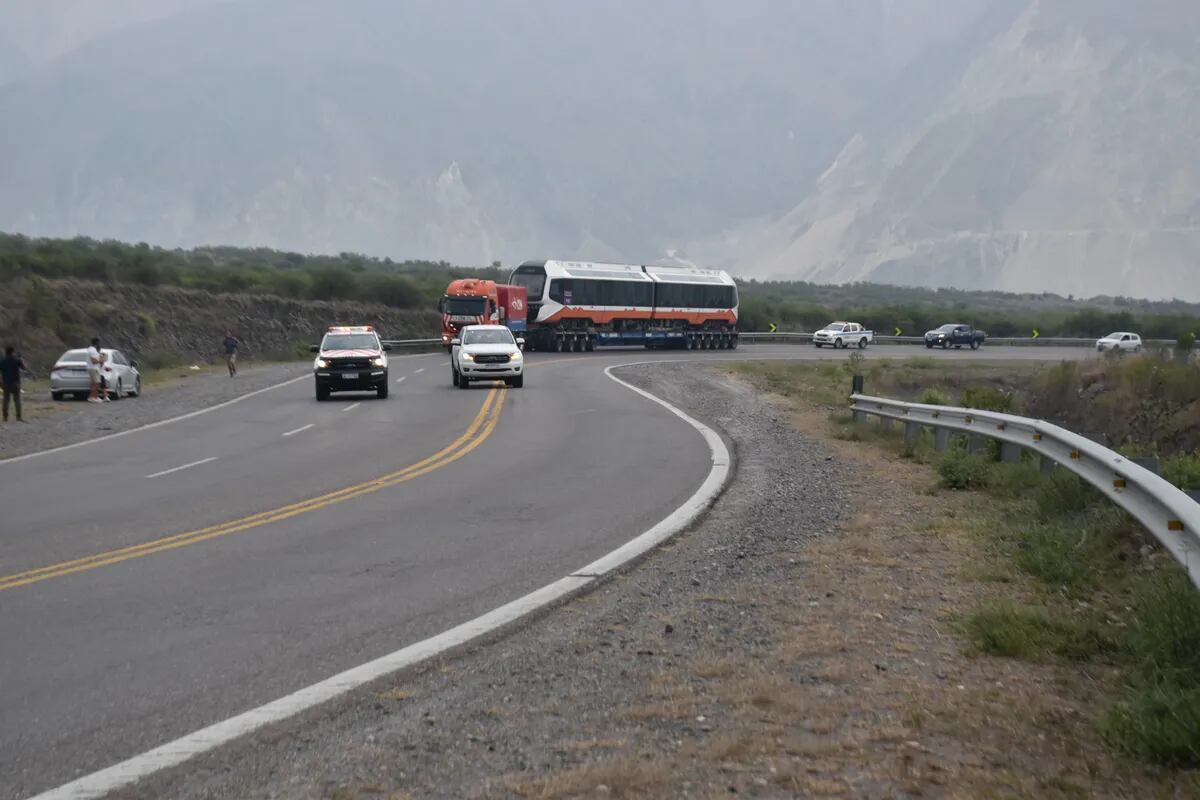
<point x="1060" y="153"/>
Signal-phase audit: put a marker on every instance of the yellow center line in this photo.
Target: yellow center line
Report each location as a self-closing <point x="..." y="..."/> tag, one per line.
<point x="479" y="430"/>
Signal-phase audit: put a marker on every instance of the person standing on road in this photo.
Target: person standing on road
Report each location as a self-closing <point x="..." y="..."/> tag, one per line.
<point x="11" y="367"/>
<point x="231" y="348"/>
<point x="95" y="372"/>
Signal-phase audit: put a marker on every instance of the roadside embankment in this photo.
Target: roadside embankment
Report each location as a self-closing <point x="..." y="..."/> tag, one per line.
<point x="805" y="639"/>
<point x="165" y="326"/>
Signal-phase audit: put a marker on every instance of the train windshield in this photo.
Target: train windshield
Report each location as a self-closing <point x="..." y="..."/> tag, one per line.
<point x="534" y="282"/>
<point x="463" y="306"/>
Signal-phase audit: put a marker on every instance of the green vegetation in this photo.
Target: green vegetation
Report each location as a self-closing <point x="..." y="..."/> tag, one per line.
<point x="1104" y="594"/>
<point x="793" y="305"/>
<point x="347" y="276"/>
<point x="797" y="305"/>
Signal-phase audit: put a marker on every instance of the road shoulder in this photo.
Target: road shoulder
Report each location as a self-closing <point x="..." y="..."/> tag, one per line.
<point x="800" y="640"/>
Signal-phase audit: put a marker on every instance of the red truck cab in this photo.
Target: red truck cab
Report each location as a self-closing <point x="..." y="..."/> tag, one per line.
<point x="475" y="301"/>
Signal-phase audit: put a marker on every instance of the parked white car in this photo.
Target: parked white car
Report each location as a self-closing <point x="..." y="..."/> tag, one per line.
<point x="486" y="353"/>
<point x="843" y="334"/>
<point x="1121" y="340"/>
<point x="70" y="375"/>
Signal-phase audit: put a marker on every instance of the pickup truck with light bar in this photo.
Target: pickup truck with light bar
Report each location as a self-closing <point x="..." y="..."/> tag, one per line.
<point x="351" y="358"/>
<point x="843" y="335"/>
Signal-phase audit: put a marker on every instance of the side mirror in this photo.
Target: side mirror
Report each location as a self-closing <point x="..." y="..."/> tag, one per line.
<point x="316" y="348"/>
<point x="520" y="342"/>
<point x="456" y="341"/>
<point x="133" y="364"/>
<point x="387" y="348"/>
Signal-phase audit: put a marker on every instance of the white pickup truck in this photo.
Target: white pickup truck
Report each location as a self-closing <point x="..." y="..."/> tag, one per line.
<point x="843" y="334"/>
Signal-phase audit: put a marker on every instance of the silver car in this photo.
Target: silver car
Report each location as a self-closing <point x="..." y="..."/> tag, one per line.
<point x="70" y="375"/>
<point x="486" y="352"/>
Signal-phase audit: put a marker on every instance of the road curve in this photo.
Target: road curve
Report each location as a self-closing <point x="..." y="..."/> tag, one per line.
<point x="161" y="581"/>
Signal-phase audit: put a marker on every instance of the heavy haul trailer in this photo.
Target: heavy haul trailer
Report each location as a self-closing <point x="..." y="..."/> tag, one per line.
<point x="579" y="306"/>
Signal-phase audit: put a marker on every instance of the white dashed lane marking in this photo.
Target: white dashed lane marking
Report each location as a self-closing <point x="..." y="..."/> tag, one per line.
<point x="182" y="467"/>
<point x="300" y="429"/>
<point x="352" y="406"/>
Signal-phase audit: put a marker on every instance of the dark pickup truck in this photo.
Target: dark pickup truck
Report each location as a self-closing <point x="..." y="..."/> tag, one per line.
<point x="954" y="335"/>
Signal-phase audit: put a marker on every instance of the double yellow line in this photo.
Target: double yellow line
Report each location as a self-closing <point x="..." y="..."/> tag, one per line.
<point x="478" y="431"/>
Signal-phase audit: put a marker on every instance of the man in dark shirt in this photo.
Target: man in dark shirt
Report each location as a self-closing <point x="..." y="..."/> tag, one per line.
<point x="231" y="347"/>
<point x="11" y="367"/>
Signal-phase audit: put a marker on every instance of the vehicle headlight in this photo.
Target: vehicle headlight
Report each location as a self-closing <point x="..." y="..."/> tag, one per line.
<point x="466" y="356"/>
<point x="322" y="363"/>
<point x="516" y="356"/>
<point x="378" y="362"/>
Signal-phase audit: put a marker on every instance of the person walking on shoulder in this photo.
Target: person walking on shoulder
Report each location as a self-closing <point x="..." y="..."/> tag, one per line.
<point x="11" y="367"/>
<point x="231" y="348"/>
<point x="95" y="368"/>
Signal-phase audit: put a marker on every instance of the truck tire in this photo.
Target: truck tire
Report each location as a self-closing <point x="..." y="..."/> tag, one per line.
<point x="929" y="345"/>
<point x="589" y="344"/>
<point x="517" y="382"/>
<point x="818" y="344"/>
<point x="838" y="344"/>
<point x="945" y="344"/>
<point x="381" y="391"/>
<point x="974" y="345"/>
<point x="57" y="396"/>
<point x="454" y="376"/>
<point x="862" y="343"/>
<point x="464" y="382"/>
<point x="733" y="342"/>
<point x="322" y="393"/>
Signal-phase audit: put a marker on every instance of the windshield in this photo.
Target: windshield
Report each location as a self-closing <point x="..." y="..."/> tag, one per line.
<point x="1116" y="335"/>
<point x="534" y="283"/>
<point x="948" y="328"/>
<point x="463" y="306"/>
<point x="487" y="336"/>
<point x="350" y="341"/>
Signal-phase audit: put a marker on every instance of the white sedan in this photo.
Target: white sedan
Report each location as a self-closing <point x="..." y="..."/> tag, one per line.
<point x="70" y="375"/>
<point x="486" y="353"/>
<point x="1122" y="341"/>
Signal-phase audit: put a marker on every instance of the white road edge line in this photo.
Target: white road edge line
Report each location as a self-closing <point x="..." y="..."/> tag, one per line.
<point x="158" y="424"/>
<point x="301" y="429"/>
<point x="181" y="468"/>
<point x="352" y="406"/>
<point x="180" y="418"/>
<point x="186" y="747"/>
<point x="419" y="371"/>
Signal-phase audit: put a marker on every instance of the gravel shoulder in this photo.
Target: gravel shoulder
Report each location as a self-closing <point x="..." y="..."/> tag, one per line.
<point x="54" y="424"/>
<point x="799" y="641"/>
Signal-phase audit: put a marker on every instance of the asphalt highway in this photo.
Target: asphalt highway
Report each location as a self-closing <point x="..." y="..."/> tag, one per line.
<point x="156" y="583"/>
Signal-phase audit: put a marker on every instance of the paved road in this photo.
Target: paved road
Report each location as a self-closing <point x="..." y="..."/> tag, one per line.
<point x="158" y="582"/>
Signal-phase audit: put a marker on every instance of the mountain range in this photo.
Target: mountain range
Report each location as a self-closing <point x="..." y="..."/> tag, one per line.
<point x="1018" y="144"/>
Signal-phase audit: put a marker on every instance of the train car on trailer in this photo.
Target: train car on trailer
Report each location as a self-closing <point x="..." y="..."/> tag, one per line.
<point x="574" y="305"/>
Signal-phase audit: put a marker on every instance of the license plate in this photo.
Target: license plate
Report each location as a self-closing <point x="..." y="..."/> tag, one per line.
<point x="349" y="375"/>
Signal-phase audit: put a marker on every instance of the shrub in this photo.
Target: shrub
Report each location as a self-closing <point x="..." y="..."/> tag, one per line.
<point x="1157" y="723"/>
<point x="1183" y="470"/>
<point x="989" y="399"/>
<point x="146" y="324"/>
<point x="1061" y="493"/>
<point x="961" y="471"/>
<point x="933" y="397"/>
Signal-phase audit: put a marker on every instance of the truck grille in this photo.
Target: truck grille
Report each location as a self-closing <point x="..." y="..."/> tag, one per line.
<point x="492" y="359"/>
<point x="350" y="363"/>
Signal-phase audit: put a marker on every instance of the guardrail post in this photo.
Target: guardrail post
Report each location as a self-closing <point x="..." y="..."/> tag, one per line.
<point x="941" y="439"/>
<point x="976" y="444"/>
<point x="911" y="431"/>
<point x="885" y="424"/>
<point x="1010" y="453"/>
<point x="856" y="384"/>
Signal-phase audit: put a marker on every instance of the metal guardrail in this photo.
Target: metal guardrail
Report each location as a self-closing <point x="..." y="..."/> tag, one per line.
<point x="1170" y="514"/>
<point x="410" y="342"/>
